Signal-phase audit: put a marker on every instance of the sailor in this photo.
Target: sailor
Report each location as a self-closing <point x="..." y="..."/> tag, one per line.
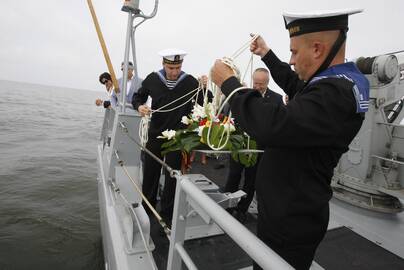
<point x="164" y="86"/>
<point x="105" y="79"/>
<point x="133" y="84"/>
<point x="305" y="139"/>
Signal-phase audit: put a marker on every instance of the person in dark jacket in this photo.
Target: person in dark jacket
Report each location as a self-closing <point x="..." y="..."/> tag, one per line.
<point x="105" y="79"/>
<point x="305" y="139"/>
<point x="260" y="83"/>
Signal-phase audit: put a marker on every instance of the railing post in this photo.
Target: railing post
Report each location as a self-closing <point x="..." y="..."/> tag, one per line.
<point x="126" y="60"/>
<point x="178" y="226"/>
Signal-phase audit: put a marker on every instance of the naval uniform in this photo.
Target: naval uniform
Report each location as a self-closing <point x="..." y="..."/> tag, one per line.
<point x="155" y="86"/>
<point x="303" y="142"/>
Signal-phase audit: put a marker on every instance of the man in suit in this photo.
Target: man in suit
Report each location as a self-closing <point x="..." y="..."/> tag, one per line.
<point x="133" y="84"/>
<point x="260" y="83"/>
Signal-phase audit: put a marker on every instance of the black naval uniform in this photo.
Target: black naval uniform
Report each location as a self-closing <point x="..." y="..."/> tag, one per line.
<point x="303" y="142"/>
<point x="236" y="169"/>
<point x="155" y="87"/>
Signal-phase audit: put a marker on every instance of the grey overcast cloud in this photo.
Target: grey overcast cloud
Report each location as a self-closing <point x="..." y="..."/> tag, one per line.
<point x="55" y="42"/>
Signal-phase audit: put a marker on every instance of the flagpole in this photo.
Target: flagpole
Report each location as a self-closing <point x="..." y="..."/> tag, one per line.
<point x="103" y="46"/>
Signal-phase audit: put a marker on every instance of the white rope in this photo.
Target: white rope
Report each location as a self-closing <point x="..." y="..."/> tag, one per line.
<point x="143" y="128"/>
<point x="216" y="102"/>
<point x="229" y="61"/>
<point x="220" y="147"/>
<point x="195" y="91"/>
<point x="145" y="121"/>
<point x="249" y="66"/>
<point x="244" y="47"/>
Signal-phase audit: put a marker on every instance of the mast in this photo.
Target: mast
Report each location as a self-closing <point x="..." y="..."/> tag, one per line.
<point x="133" y="10"/>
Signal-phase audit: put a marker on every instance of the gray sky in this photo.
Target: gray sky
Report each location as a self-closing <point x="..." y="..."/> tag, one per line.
<point x="55" y="43"/>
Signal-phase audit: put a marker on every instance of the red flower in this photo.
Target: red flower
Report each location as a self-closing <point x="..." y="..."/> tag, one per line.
<point x="203" y="122"/>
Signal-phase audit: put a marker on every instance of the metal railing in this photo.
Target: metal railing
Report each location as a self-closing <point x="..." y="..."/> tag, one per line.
<point x="254" y="247"/>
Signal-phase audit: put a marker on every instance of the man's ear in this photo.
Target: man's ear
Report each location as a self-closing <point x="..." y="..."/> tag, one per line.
<point x="318" y="49"/>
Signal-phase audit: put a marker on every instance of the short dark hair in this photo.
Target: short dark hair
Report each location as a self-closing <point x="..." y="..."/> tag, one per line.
<point x="105" y="76"/>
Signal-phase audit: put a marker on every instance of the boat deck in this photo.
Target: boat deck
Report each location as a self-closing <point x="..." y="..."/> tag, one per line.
<point x="341" y="248"/>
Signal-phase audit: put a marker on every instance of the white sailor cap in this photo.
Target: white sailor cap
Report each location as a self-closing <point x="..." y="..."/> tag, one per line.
<point x="317" y="21"/>
<point x="130" y="65"/>
<point x="172" y="56"/>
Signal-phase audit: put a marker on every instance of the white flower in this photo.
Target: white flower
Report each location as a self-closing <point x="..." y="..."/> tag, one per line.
<point x="200" y="129"/>
<point x="185" y="120"/>
<point x="226" y="126"/>
<point x="167" y="134"/>
<point x="198" y="112"/>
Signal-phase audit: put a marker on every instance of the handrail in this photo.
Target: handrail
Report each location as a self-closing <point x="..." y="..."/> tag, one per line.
<point x="389" y="124"/>
<point x="254" y="247"/>
<point x="388" y="159"/>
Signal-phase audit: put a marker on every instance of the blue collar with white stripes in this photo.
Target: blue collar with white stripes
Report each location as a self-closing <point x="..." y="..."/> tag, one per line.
<point x="350" y="72"/>
<point x="162" y="75"/>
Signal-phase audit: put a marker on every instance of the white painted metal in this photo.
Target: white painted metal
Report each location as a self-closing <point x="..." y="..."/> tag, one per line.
<point x="254" y="247"/>
<point x="115" y="252"/>
<point x="185" y="257"/>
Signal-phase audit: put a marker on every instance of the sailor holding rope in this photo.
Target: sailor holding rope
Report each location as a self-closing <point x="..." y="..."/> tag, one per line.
<point x="168" y="88"/>
<point x="305" y="139"/>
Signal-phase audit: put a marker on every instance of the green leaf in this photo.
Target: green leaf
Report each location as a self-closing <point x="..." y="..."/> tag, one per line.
<point x="168" y="143"/>
<point x="234" y="155"/>
<point x="171" y="149"/>
<point x="193" y="126"/>
<point x="190" y="142"/>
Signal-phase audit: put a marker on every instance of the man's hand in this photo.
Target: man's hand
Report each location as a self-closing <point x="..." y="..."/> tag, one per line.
<point x="144" y="110"/>
<point x="259" y="47"/>
<point x="98" y="102"/>
<point x="220" y="72"/>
